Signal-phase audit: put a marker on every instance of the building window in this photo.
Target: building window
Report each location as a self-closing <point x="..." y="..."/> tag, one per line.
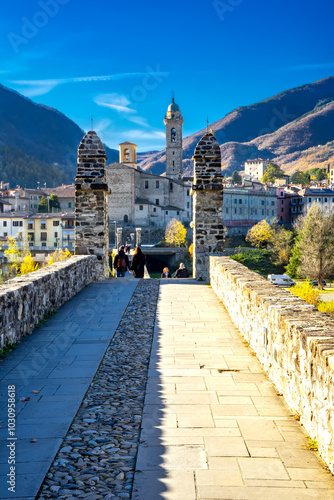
<point x="166" y="212"/>
<point x="154" y="209"/>
<point x="282" y="202"/>
<point x="310" y="200"/>
<point x="44" y="236"/>
<point x="173" y="134"/>
<point x="272" y="203"/>
<point x="69" y="204"/>
<point x="4" y="223"/>
<point x="173" y="163"/>
<point x="146" y="184"/>
<point x="187" y="214"/>
<point x="126" y="219"/>
<point x="31" y="236"/>
<point x="170" y="186"/>
<point x="5" y="235"/>
<point x="235" y="201"/>
<point x="235" y="210"/>
<point x="188" y="204"/>
<point x="188" y="193"/>
<point x="245" y="202"/>
<point x="30" y="225"/>
<point x="177" y="213"/>
<point x="17" y="223"/>
<point x="325" y="200"/>
<point x="282" y="193"/>
<point x="255" y="210"/>
<point x="43" y="225"/>
<point x="262" y="202"/>
<point x="267" y="202"/>
<point x="227" y="210"/>
<point x="141" y="207"/>
<point x="55" y="223"/>
<point x="157" y="184"/>
<point x="240" y="210"/>
<point x="240" y="201"/>
<point x="157" y="201"/>
<point x="262" y="211"/>
<point x="251" y="202"/>
<point x="56" y="234"/>
<point x="273" y="212"/>
<point x="44" y="245"/>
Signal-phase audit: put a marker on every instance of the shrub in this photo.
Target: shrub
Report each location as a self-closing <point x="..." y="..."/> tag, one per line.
<point x="28" y="265"/>
<point x="59" y="255"/>
<point x="327" y="307"/>
<point x="306" y="292"/>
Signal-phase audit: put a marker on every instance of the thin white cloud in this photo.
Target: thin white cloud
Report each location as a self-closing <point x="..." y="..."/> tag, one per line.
<point x="139" y="120"/>
<point x="115" y="101"/>
<point x="303" y="67"/>
<point x="39" y="87"/>
<point x="141" y="134"/>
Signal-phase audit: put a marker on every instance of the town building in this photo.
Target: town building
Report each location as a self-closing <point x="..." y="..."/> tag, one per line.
<point x="246" y="206"/>
<point x="65" y="195"/>
<point x="140" y="198"/>
<point x="323" y="197"/>
<point x="254" y="169"/>
<point x="290" y="205"/>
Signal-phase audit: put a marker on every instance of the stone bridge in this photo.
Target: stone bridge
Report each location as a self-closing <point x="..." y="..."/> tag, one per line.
<point x="162" y="389"/>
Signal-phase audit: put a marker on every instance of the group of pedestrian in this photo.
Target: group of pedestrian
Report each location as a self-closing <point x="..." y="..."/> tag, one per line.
<point x="135" y="267"/>
<point x="181" y="272"/>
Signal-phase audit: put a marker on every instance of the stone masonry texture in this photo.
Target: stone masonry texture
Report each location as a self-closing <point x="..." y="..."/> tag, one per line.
<point x="27" y="299"/>
<point x="207" y="205"/>
<point x="293" y="341"/>
<point x="91" y="204"/>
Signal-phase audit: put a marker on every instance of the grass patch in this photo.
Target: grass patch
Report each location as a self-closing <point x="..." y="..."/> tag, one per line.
<point x="8" y="347"/>
<point x="259" y="261"/>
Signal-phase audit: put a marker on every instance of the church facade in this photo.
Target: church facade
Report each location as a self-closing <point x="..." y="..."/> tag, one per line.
<point x="142" y="199"/>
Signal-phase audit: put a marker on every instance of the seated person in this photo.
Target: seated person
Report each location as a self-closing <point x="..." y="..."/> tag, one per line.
<point x="166" y="273"/>
<point x="181" y="272"/>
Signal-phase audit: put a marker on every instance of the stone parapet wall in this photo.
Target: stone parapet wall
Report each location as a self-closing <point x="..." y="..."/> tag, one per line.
<point x="26" y="300"/>
<point x="293" y="341"/>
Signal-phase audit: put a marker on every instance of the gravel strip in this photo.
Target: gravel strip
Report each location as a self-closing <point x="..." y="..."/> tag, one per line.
<point x="98" y="455"/>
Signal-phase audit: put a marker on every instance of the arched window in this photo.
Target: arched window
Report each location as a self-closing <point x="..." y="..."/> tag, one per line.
<point x="126" y="218"/>
<point x="173" y="135"/>
<point x="126" y="155"/>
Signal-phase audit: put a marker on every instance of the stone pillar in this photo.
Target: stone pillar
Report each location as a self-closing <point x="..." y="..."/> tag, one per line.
<point x="207" y="190"/>
<point x="138" y="236"/>
<point x="91" y="204"/>
<point x="119" y="237"/>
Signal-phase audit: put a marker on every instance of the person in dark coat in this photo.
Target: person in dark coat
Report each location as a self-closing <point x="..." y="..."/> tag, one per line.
<point x="138" y="263"/>
<point x="181" y="272"/>
<point x="121" y="263"/>
<point x="166" y="273"/>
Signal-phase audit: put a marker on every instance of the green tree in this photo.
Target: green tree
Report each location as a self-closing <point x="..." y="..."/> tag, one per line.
<point x="300" y="178"/>
<point x="281" y="245"/>
<point x="175" y="233"/>
<point x="272" y="173"/>
<point x="54" y="202"/>
<point x="294" y="261"/>
<point x="320" y="174"/>
<point x="316" y="245"/>
<point x="43" y="206"/>
<point x="260" y="235"/>
<point x="236" y="177"/>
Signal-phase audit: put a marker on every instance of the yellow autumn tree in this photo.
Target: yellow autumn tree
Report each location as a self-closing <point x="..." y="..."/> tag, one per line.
<point x="59" y="255"/>
<point x="28" y="265"/>
<point x="260" y="235"/>
<point x="13" y="255"/>
<point x="175" y="233"/>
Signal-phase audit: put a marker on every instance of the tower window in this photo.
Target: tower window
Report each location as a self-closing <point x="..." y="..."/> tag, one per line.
<point x="126" y="155"/>
<point x="157" y="184"/>
<point x="146" y="184"/>
<point x="173" y="135"/>
<point x="173" y="163"/>
<point x="157" y="201"/>
<point x="170" y="186"/>
<point x="141" y="207"/>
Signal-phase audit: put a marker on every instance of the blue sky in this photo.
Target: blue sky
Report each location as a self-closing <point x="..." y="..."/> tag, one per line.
<point x="120" y="61"/>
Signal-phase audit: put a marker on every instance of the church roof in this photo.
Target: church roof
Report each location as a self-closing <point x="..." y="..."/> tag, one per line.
<point x="127" y="142"/>
<point x="173" y="106"/>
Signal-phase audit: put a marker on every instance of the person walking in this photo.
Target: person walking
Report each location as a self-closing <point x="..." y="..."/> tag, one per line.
<point x="138" y="263"/>
<point x="121" y="263"/>
<point x="166" y="273"/>
<point x="181" y="272"/>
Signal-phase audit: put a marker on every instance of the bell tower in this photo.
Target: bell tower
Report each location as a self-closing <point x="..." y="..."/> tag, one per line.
<point x="173" y="121"/>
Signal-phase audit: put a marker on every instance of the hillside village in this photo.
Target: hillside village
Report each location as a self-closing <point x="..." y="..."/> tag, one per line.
<point x="139" y="198"/>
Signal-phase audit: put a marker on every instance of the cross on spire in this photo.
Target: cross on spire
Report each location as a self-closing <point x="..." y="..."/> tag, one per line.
<point x="207" y="124"/>
<point x="92" y="122"/>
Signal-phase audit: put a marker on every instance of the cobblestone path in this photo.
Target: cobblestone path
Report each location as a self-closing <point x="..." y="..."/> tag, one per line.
<point x="178" y="409"/>
<point x="213" y="425"/>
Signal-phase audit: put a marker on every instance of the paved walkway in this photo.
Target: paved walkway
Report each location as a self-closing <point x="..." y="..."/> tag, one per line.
<point x="52" y="369"/>
<point x="213" y="425"/>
